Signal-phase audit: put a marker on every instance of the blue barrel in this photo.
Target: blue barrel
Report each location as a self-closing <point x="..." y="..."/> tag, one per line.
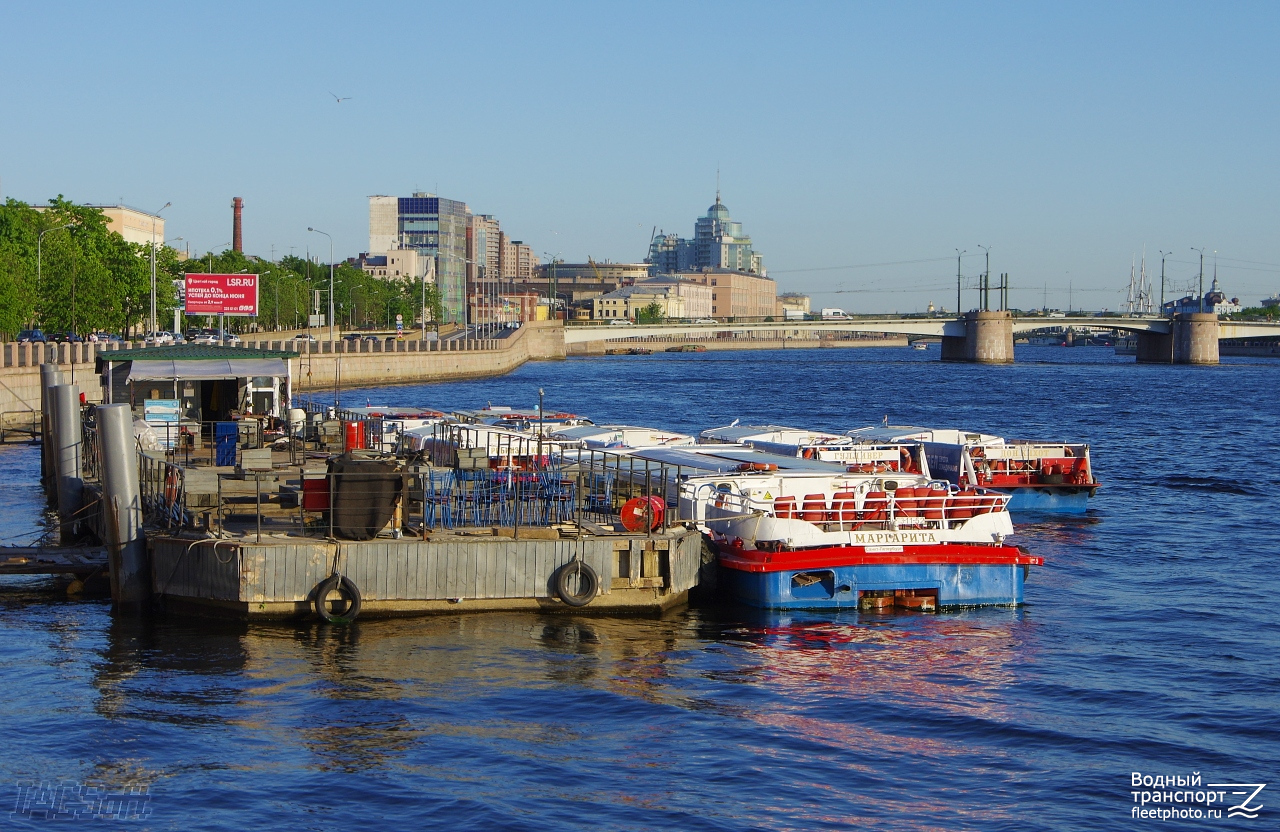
<point x="225" y="438"/>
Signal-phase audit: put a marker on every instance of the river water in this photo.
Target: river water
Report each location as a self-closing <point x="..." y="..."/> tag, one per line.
<point x="1148" y="644"/>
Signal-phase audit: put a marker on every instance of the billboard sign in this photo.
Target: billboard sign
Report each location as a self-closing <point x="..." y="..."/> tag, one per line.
<point x="221" y="294"/>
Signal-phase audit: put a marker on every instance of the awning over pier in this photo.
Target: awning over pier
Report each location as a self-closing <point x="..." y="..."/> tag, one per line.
<point x="207" y="368"/>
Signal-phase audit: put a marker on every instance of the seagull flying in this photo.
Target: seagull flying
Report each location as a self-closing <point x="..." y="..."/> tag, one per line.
<point x="340" y="100"/>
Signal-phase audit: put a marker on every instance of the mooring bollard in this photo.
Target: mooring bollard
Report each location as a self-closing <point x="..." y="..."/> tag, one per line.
<point x="50" y="377"/>
<point x="122" y="507"/>
<point x="66" y="432"/>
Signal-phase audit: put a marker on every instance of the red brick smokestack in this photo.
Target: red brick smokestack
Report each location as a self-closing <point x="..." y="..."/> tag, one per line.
<point x="237" y="208"/>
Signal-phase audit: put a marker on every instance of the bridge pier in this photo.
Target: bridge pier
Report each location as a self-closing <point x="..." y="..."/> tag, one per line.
<point x="1195" y="338"/>
<point x="1192" y="339"/>
<point x="988" y="339"/>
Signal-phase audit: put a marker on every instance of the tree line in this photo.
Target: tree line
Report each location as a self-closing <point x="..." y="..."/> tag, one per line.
<point x="63" y="270"/>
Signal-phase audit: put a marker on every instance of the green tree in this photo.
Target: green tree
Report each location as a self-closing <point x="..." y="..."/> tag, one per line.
<point x="651" y="314"/>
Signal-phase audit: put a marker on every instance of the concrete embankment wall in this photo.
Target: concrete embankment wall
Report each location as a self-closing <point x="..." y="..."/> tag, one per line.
<point x="537" y="341"/>
<point x="358" y="363"/>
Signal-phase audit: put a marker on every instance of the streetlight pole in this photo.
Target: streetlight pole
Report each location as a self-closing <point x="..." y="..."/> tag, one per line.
<point x="985" y="290"/>
<point x="959" y="254"/>
<point x="154" y="217"/>
<point x="1163" y="255"/>
<point x="1201" y="250"/>
<point x="318" y="231"/>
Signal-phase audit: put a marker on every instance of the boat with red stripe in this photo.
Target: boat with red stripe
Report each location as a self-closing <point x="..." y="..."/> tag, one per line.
<point x="813" y="540"/>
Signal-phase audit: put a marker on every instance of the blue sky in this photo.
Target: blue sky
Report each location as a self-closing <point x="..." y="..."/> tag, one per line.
<point x="1063" y="136"/>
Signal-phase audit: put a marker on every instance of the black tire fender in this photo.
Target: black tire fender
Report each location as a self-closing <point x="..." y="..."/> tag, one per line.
<point x="344" y="587"/>
<point x="588" y="583"/>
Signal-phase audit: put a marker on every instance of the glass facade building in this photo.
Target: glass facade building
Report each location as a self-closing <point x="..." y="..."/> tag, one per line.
<point x="438" y="227"/>
<point x="433" y="226"/>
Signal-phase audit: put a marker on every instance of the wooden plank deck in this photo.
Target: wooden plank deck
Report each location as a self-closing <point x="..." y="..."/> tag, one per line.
<point x="52" y="560"/>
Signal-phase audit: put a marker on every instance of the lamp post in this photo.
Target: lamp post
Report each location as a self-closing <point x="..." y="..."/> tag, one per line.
<point x="984" y="290"/>
<point x="318" y="231"/>
<point x="176" y="309"/>
<point x="1201" y="250"/>
<point x="959" y="254"/>
<point x="1163" y="255"/>
<point x="154" y="217"/>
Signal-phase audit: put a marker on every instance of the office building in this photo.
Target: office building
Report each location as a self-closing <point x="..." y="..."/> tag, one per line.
<point x="433" y="226"/>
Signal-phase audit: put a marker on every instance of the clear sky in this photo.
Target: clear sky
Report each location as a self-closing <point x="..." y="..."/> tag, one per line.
<point x="1064" y="136"/>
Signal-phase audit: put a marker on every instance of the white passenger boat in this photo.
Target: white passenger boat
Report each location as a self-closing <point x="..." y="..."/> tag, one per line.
<point x="1039" y="476"/>
<point x="817" y="539"/>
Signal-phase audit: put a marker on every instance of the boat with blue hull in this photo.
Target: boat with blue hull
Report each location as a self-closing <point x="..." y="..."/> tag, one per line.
<point x="806" y="539"/>
<point x="929" y="580"/>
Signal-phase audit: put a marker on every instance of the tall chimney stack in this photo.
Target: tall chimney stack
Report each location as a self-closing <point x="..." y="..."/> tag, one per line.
<point x="237" y="208"/>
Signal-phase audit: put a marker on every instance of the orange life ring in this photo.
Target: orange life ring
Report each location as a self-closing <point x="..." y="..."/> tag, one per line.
<point x="171" y="487"/>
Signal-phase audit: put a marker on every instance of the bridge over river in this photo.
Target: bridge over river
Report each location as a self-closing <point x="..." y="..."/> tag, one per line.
<point x="984" y="337"/>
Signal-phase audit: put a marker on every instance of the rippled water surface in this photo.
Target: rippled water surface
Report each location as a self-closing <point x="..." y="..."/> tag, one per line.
<point x="1148" y="643"/>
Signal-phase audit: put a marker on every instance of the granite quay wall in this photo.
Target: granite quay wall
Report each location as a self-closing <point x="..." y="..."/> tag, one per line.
<point x="385" y="361"/>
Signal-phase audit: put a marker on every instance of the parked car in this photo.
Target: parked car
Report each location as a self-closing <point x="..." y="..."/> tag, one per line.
<point x="304" y="336"/>
<point x="620" y="322"/>
<point x="351" y="336"/>
<point x="32" y="336"/>
<point x="230" y="339"/>
<point x="158" y="338"/>
<point x="69" y="338"/>
<point x="372" y="338"/>
<point x="205" y="338"/>
<point x="706" y="321"/>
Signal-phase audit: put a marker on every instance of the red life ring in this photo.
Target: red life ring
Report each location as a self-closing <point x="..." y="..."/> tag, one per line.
<point x="171" y="487"/>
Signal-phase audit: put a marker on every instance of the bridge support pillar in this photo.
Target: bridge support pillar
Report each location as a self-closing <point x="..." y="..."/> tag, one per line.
<point x="1195" y="338"/>
<point x="1155" y="348"/>
<point x="988" y="339"/>
<point x="953" y="348"/>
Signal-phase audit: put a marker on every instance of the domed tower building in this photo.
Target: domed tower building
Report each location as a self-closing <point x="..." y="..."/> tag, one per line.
<point x="720" y="244"/>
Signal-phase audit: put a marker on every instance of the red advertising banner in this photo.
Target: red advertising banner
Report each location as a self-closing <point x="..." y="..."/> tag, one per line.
<point x="222" y="294"/>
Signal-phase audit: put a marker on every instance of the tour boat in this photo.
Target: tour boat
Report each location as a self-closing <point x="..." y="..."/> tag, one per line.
<point x="1052" y="477"/>
<point x="520" y="420"/>
<point x="889" y="457"/>
<point x="803" y="539"/>
<point x="617" y="437"/>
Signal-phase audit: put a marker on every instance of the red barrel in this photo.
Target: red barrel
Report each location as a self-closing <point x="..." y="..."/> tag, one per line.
<point x="634" y="510"/>
<point x="354" y="432"/>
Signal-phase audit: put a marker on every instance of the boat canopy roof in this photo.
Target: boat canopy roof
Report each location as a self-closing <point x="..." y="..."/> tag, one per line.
<point x="884" y="434"/>
<point x="620" y="436"/>
<point x="714" y="459"/>
<point x="773" y="434"/>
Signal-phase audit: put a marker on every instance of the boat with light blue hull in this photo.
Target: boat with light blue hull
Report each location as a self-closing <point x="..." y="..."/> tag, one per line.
<point x="923" y="586"/>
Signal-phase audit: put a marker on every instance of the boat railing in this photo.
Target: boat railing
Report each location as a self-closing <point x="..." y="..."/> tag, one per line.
<point x="939" y="505"/>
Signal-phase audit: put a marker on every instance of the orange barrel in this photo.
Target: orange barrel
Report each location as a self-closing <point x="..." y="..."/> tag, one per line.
<point x="634" y="510"/>
<point x="814" y="508"/>
<point x="354" y="433"/>
<point x="904" y="501"/>
<point x="784" y="507"/>
<point x="844" y="507"/>
<point x="875" y="508"/>
<point x="935" y="504"/>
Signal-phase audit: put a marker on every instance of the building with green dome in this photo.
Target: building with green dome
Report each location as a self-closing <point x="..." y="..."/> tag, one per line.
<point x="718" y="243"/>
